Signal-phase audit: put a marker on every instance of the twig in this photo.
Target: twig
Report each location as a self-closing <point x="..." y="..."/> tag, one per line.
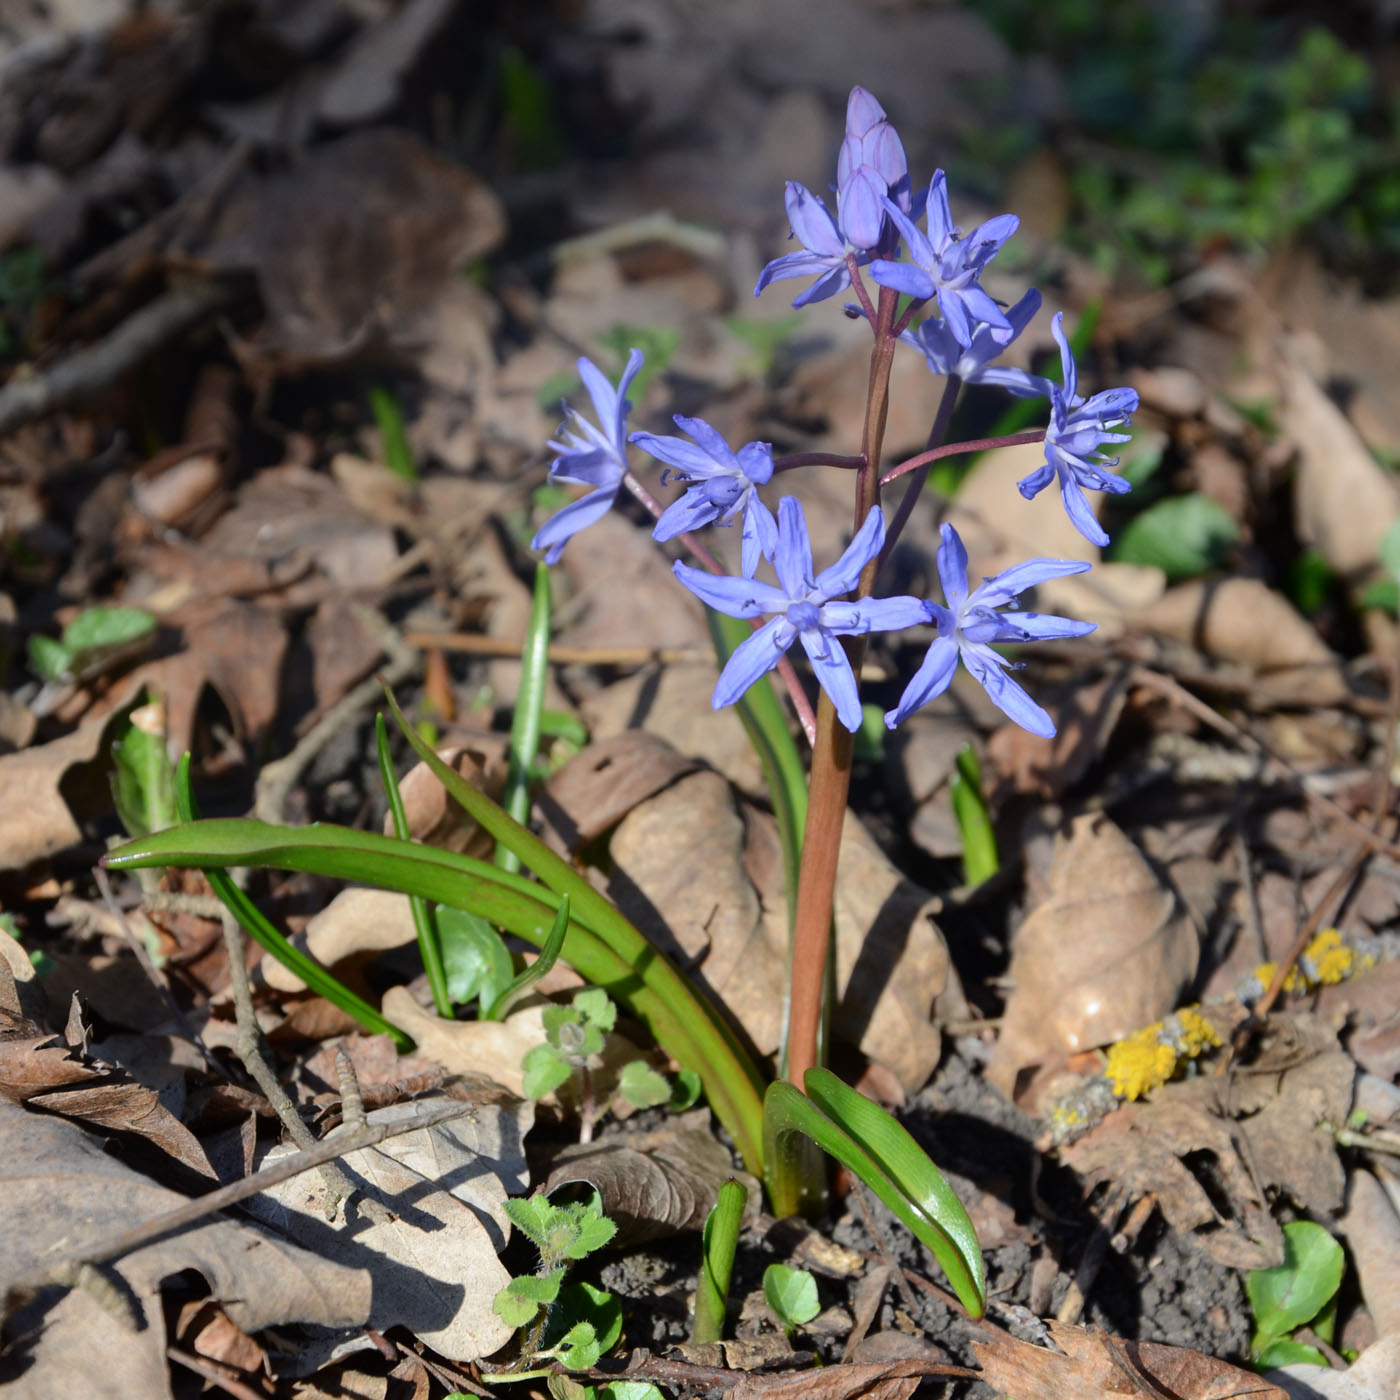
<point x="279" y="777"/>
<point x="566" y="656"/>
<point x="204" y="906"/>
<point x="249" y="1050"/>
<point x="114" y="1246"/>
<point x="214" y="1374"/>
<point x="102" y="363"/>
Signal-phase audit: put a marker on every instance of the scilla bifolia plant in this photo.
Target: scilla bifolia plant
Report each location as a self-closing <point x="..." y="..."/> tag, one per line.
<point x="874" y="233"/>
<point x="961" y="331"/>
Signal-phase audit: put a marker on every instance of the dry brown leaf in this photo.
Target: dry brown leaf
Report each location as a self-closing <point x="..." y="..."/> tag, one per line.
<point x="1374" y="1375"/>
<point x="356" y="921"/>
<point x="432" y="1261"/>
<point x="889" y="1380"/>
<point x="653" y="1184"/>
<point x="61" y="1190"/>
<point x="1371" y="1225"/>
<point x="1242" y="620"/>
<point x="1092" y="1365"/>
<point x="1107" y="952"/>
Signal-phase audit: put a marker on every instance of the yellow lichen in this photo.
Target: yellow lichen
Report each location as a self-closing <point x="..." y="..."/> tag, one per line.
<point x="1197" y="1034"/>
<point x="1329" y="959"/>
<point x="1139" y="1063"/>
<point x="1293" y="982"/>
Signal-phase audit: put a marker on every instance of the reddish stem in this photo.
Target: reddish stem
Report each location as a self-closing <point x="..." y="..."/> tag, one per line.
<point x="902" y="325"/>
<point x="832" y="753"/>
<point x="912" y="491"/>
<point x="862" y="295"/>
<point x="957" y="449"/>
<point x="815" y="459"/>
<point x="796" y="694"/>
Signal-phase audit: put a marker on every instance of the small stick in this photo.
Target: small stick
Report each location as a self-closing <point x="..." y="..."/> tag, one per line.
<point x="193" y="1211"/>
<point x="214" y="1374"/>
<point x="565" y="656"/>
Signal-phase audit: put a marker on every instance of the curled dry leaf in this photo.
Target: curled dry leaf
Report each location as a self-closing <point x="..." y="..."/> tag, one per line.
<point x="1242" y="620"/>
<point x="1371" y="1225"/>
<point x="1107" y="952"/>
<point x="430" y="1259"/>
<point x="62" y="1191"/>
<point x="1092" y="1365"/>
<point x="653" y="1184"/>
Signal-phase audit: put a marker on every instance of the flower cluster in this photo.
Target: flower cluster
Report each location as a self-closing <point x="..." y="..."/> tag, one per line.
<point x="874" y="226"/>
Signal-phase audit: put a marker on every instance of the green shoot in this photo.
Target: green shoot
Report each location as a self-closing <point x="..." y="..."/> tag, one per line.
<point x="791" y="1294"/>
<point x="429" y="948"/>
<point x="143" y="787"/>
<point x="550" y="949"/>
<point x="574" y="1035"/>
<point x="718" y="1244"/>
<point x="529" y="703"/>
<point x="393" y="436"/>
<point x="979" y="841"/>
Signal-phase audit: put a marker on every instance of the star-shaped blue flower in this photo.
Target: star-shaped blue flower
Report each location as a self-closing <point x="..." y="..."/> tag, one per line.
<point x="589" y="455"/>
<point x="812" y="608"/>
<point x="824" y="249"/>
<point x="1078" y="427"/>
<point x="970" y="623"/>
<point x="723" y="486"/>
<point x="946" y="266"/>
<point x="872" y="166"/>
<point x="972" y="363"/>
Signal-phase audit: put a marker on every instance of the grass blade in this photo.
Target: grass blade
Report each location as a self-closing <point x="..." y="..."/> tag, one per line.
<point x="525" y="724"/>
<point x="550" y="949"/>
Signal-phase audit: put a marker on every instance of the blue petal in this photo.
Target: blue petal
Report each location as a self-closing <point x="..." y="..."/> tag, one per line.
<point x="564" y="524"/>
<point x="738" y="597"/>
<point x="600" y="390"/>
<point x="833" y="671"/>
<point x="950" y="302"/>
<point x="862" y="209"/>
<point x="710" y="441"/>
<point x="755" y="460"/>
<point x="875" y="615"/>
<point x="1031" y="486"/>
<point x="940" y="216"/>
<point x="844" y="574"/>
<point x="987" y="669"/>
<point x="1014" y="381"/>
<point x="952" y="566"/>
<point x="793" y="557"/>
<point x="802" y="264"/>
<point x="677" y="452"/>
<point x="1043" y="627"/>
<point x="919" y="247"/>
<point x="754" y="657"/>
<point x="930" y="680"/>
<point x="836" y="280"/>
<point x="1077" y="508"/>
<point x="812" y="222"/>
<point x="1069" y="377"/>
<point x="760" y="534"/>
<point x="903" y="277"/>
<point x="862" y="111"/>
<point x="693" y="511"/>
<point x="1012" y="582"/>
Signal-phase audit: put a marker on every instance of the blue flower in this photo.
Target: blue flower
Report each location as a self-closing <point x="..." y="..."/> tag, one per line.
<point x="972" y="363"/>
<point x="971" y="622"/>
<point x="824" y="255"/>
<point x="812" y="608"/>
<point x="947" y="266"/>
<point x="589" y="456"/>
<point x="723" y="485"/>
<point x="871" y="167"/>
<point x="1078" y="427"/>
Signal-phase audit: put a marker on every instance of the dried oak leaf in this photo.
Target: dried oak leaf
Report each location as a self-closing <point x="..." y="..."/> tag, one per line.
<point x="653" y="1184"/>
<point x="1371" y="1225"/>
<point x="887" y="1380"/>
<point x="62" y="1190"/>
<point x="1092" y="1365"/>
<point x="1108" y="951"/>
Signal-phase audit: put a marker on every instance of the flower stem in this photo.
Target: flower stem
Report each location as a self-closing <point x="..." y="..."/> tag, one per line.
<point x="815" y="459"/>
<point x="796" y="694"/>
<point x="912" y="491"/>
<point x="957" y="449"/>
<point x="831" y="755"/>
<point x="862" y="295"/>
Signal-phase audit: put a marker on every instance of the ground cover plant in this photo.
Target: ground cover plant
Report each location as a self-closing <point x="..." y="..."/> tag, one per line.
<point x="876" y="875"/>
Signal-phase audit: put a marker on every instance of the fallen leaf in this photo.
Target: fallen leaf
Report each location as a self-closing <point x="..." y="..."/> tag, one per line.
<point x="61" y="1191"/>
<point x="1371" y="1225"/>
<point x="1242" y="620"/>
<point x="1107" y="952"/>
<point x="654" y="1184"/>
<point x="431" y="1261"/>
<point x="1092" y="1365"/>
<point x="357" y="921"/>
<point x="1374" y="1375"/>
<point x="890" y="1380"/>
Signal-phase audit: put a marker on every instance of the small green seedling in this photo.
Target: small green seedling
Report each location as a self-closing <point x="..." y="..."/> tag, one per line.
<point x="979" y="840"/>
<point x="95" y="637"/>
<point x="718" y="1244"/>
<point x="143" y="778"/>
<point x="1300" y="1292"/>
<point x="573" y="1034"/>
<point x="791" y="1294"/>
<point x="574" y="1324"/>
<point x="393" y="435"/>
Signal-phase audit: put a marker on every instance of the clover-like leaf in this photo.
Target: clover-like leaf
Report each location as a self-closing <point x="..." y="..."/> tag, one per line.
<point x="545" y="1071"/>
<point x="792" y="1294"/>
<point x="642" y="1086"/>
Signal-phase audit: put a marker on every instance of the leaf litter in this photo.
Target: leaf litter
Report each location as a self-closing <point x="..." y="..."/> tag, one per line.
<point x="236" y="487"/>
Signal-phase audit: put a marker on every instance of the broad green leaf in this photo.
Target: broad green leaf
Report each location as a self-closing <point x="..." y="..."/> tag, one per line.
<point x="544" y="1070"/>
<point x="1294" y="1292"/>
<point x="594" y="1230"/>
<point x="642" y="1086"/>
<point x="48" y="659"/>
<point x="583" y="1304"/>
<point x="96" y="629"/>
<point x="474" y="957"/>
<point x="1269" y="1353"/>
<point x="792" y="1294"/>
<point x="512" y="1309"/>
<point x="864" y="1138"/>
<point x="1182" y="535"/>
<point x="685" y="1092"/>
<point x="629" y="1390"/>
<point x="533" y="1216"/>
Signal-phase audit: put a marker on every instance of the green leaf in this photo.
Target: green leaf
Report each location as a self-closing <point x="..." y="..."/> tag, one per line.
<point x="870" y="737"/>
<point x="143" y="785"/>
<point x="393" y="436"/>
<point x="792" y="1294"/>
<point x="48" y="659"/>
<point x="1271" y="1352"/>
<point x="474" y="957"/>
<point x="1294" y="1292"/>
<point x="512" y="1309"/>
<point x="597" y="1008"/>
<point x="867" y="1140"/>
<point x="642" y="1086"/>
<point x="555" y="1019"/>
<point x="544" y="1070"/>
<point x="583" y="1305"/>
<point x="1311" y="581"/>
<point x="533" y="1216"/>
<point x="592" y="1228"/>
<point x="98" y="629"/>
<point x="1182" y="535"/>
<point x="629" y="1390"/>
<point x="1390" y="550"/>
<point x="525" y="723"/>
<point x="719" y="1241"/>
<point x="522" y="1298"/>
<point x="979" y="841"/>
<point x="685" y="1091"/>
<point x="550" y="949"/>
<point x="579" y="1347"/>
